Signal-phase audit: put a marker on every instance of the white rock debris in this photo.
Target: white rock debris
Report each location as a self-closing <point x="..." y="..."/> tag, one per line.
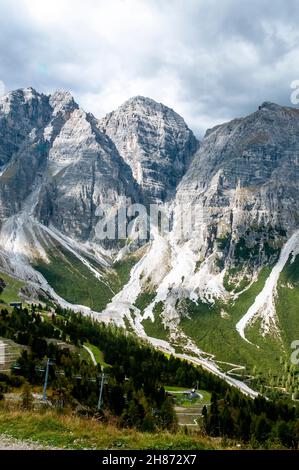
<point x="264" y="304"/>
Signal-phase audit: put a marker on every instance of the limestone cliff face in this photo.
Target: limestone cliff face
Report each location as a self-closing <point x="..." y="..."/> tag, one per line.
<point x="56" y="164"/>
<point x="23" y="116"/>
<point x="60" y="163"/>
<point x="156" y="143"/>
<point x="245" y="178"/>
<point x="84" y="172"/>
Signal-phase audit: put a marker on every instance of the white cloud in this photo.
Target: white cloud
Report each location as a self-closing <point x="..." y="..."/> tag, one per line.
<point x="210" y="61"/>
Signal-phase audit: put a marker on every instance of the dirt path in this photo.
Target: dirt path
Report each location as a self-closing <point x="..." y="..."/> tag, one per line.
<point x="10" y="443"/>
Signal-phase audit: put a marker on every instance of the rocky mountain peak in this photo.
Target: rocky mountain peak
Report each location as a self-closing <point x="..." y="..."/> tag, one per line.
<point x="154" y="141"/>
<point x="268" y="105"/>
<point x="30" y="94"/>
<point x="22" y="98"/>
<point x="140" y="100"/>
<point x="62" y="101"/>
<point x="143" y="105"/>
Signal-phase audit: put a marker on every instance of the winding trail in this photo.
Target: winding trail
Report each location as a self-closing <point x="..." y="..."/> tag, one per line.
<point x="212" y="367"/>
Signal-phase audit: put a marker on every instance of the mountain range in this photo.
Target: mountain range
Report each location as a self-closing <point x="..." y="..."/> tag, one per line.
<point x="225" y="294"/>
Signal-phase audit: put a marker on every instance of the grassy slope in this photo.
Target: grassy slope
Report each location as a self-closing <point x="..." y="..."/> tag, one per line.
<point x="121" y="270"/>
<point x="73" y="281"/>
<point x="99" y="356"/>
<point x="288" y="301"/>
<point x="144" y="299"/>
<point x="156" y="328"/>
<point x="206" y="395"/>
<point x="172" y="388"/>
<point x="11" y="291"/>
<point x="218" y="335"/>
<point x="52" y="429"/>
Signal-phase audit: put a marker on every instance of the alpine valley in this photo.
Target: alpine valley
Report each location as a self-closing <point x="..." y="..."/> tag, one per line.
<point x="225" y="295"/>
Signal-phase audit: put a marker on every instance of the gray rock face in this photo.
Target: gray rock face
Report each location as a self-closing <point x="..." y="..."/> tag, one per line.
<point x="245" y="175"/>
<point x="59" y="163"/>
<point x="56" y="164"/>
<point x="154" y="141"/>
<point x="84" y="172"/>
<point x="23" y="115"/>
<point x="29" y="122"/>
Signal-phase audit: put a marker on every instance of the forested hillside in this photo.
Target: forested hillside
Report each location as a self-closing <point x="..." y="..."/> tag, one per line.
<point x="137" y="376"/>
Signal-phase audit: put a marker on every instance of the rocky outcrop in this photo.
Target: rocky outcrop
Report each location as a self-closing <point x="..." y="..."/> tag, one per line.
<point x="84" y="172"/>
<point x="156" y="143"/>
<point x="23" y="116"/>
<point x="245" y="179"/>
<point x="56" y="164"/>
<point x="60" y="163"/>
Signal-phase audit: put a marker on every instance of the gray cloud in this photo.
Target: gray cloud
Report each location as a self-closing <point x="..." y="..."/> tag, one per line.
<point x="209" y="60"/>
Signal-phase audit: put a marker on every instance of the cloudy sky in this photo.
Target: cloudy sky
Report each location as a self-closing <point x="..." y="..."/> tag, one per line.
<point x="210" y="60"/>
